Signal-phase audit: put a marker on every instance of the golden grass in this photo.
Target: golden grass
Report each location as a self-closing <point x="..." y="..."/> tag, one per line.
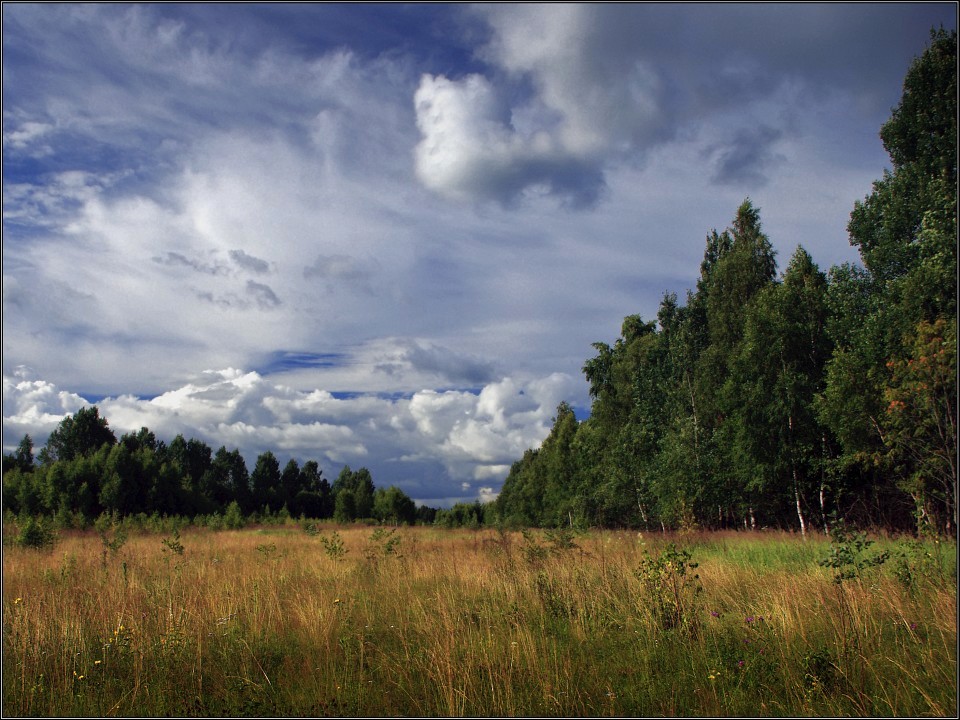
<point x="462" y="623"/>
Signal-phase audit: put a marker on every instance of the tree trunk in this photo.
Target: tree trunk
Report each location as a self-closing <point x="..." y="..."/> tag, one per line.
<point x="796" y="481"/>
<point x="823" y="508"/>
<point x="803" y="522"/>
<point x="643" y="514"/>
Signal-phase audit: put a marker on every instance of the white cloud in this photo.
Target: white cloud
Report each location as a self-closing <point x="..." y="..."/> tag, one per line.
<point x="444" y="437"/>
<point x="486" y="494"/>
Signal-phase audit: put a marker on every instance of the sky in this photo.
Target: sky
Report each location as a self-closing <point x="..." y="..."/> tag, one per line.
<point x="387" y="235"/>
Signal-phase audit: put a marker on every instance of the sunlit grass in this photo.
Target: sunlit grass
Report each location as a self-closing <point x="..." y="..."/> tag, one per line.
<point x="469" y="623"/>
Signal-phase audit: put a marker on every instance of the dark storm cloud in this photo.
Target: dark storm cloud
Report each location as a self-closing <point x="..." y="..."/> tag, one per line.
<point x="745" y="160"/>
<point x="449" y="365"/>
<point x="601" y="85"/>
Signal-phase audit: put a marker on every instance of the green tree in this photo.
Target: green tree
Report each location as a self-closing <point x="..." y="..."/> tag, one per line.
<point x="79" y="434"/>
<point x="345" y="507"/>
<point x="392" y="505"/>
<point x="265" y="479"/>
<point x="776" y="438"/>
<point x="906" y="232"/>
<point x="230" y="471"/>
<point x="289" y="484"/>
<point x="921" y="421"/>
<point x="360" y="486"/>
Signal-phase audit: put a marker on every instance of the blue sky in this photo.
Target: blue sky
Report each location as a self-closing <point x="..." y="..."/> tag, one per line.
<point x="387" y="235"/>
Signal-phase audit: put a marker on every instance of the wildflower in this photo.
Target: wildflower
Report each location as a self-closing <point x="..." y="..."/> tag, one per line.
<point x="740" y="663"/>
<point x="714" y="613"/>
<point x="18" y="601"/>
<point x="913" y="626"/>
<point x="749" y="618"/>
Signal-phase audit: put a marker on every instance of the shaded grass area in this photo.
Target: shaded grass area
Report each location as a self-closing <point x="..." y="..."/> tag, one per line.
<point x="439" y="623"/>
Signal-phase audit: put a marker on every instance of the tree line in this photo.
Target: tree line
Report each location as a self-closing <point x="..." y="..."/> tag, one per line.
<point x="766" y="400"/>
<point x="84" y="471"/>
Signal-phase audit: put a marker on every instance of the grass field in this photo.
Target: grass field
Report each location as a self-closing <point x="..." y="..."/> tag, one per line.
<point x="420" y="621"/>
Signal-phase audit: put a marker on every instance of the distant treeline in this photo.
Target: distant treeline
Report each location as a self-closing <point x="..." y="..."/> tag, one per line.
<point x="84" y="471"/>
<point x="785" y="401"/>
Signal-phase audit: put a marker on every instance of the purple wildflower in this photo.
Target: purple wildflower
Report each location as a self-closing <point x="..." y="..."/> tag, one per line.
<point x="715" y="613"/>
<point x="750" y="618"/>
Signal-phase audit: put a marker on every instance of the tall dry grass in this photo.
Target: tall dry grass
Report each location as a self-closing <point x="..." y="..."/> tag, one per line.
<point x="469" y="623"/>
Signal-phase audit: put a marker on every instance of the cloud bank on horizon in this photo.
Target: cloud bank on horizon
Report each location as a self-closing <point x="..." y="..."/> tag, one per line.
<point x="388" y="235"/>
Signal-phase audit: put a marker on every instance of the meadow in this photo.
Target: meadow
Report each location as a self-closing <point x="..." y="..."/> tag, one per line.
<point x="357" y="621"/>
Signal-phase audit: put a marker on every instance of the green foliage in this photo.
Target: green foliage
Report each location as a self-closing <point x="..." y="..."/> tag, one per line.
<point x="82" y="433"/>
<point x="671" y="589"/>
<point x="37" y="534"/>
<point x="561" y="539"/>
<point x="849" y="557"/>
<point x="113" y="535"/>
<point x="333" y="546"/>
<point x="173" y="544"/>
<point x="233" y="519"/>
<point x="915" y="566"/>
<point x="534" y="553"/>
<point x="392" y="505"/>
<point x="382" y="543"/>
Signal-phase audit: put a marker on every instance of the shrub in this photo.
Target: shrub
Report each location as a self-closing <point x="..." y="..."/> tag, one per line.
<point x="671" y="588"/>
<point x="35" y="534"/>
<point x="233" y="519"/>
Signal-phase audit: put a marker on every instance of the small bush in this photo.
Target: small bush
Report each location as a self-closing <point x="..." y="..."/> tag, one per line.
<point x="383" y="543"/>
<point x="35" y="534"/>
<point x="848" y="554"/>
<point x="333" y="546"/>
<point x="233" y="519"/>
<point x="670" y="586"/>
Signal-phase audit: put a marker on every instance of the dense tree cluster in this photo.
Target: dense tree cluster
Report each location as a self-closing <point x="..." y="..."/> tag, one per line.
<point x="788" y="400"/>
<point x="84" y="470"/>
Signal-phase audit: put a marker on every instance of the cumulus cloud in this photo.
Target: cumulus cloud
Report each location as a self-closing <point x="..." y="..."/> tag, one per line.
<point x="572" y="91"/>
<point x="469" y="150"/>
<point x="421" y="442"/>
<point x="588" y="105"/>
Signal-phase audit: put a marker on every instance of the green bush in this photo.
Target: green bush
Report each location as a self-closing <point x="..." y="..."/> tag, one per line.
<point x="36" y="534"/>
<point x="671" y="588"/>
<point x="233" y="519"/>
